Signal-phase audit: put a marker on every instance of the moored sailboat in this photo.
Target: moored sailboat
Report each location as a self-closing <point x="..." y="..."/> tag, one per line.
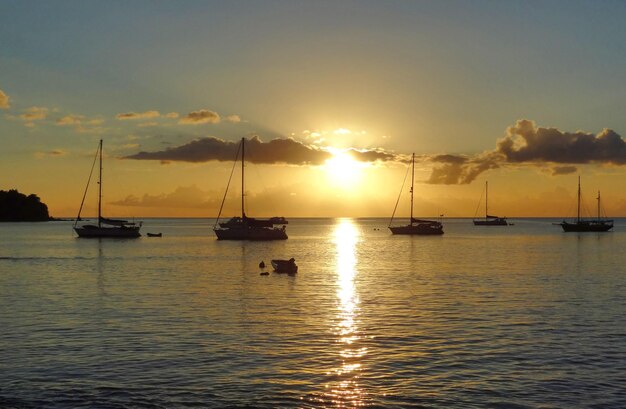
<point x="415" y="226"/>
<point x="591" y="225"/>
<point x="105" y="227"/>
<point x="248" y="228"/>
<point x="489" y="220"/>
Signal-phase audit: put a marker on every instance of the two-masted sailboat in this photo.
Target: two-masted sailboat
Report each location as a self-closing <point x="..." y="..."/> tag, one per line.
<point x="489" y="220"/>
<point x="590" y="225"/>
<point x="105" y="227"/>
<point x="415" y="226"/>
<point x="248" y="228"/>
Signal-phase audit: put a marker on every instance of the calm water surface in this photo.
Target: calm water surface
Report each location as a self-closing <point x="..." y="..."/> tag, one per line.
<point x="523" y="316"/>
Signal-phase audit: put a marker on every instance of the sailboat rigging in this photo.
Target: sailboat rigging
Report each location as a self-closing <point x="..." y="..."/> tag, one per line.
<point x="582" y="225"/>
<point x="244" y="227"/>
<point x="415" y="226"/>
<point x="105" y="227"/>
<point x="489" y="220"/>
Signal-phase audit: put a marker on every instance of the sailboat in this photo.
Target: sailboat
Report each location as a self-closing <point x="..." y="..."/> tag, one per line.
<point x="244" y="227"/>
<point x="105" y="227"/>
<point x="415" y="226"/>
<point x="581" y="225"/>
<point x="490" y="220"/>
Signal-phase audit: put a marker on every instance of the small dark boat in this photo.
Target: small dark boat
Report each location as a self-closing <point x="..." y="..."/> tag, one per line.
<point x="285" y="266"/>
<point x="155" y="234"/>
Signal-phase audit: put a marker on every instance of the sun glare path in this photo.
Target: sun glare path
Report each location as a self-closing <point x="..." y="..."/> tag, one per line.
<point x="346" y="388"/>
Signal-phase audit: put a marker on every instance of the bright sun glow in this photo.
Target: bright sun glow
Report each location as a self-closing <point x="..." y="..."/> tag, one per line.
<point x="343" y="169"/>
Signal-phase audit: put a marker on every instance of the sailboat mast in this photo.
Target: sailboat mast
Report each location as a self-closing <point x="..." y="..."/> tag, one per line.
<point x="412" y="181"/>
<point x="243" y="145"/>
<point x="100" y="189"/>
<point x="598" y="205"/>
<point x="578" y="210"/>
<point x="486" y="198"/>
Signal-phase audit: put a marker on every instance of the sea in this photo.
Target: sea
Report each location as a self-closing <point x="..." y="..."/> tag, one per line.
<point x="523" y="316"/>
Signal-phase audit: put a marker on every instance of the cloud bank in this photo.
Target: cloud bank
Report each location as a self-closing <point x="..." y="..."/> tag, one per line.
<point x="526" y="143"/>
<point x="288" y="151"/>
<point x="182" y="197"/>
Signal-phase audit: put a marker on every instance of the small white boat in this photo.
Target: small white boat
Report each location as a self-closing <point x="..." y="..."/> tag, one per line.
<point x="285" y="266"/>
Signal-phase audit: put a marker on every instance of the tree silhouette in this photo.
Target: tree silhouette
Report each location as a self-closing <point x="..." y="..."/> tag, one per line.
<point x="17" y="207"/>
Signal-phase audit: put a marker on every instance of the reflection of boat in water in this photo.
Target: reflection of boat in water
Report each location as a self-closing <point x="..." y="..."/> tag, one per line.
<point x="285" y="266"/>
<point x="248" y="228"/>
<point x="489" y="220"/>
<point x="415" y="226"/>
<point x="105" y="227"/>
<point x="581" y="225"/>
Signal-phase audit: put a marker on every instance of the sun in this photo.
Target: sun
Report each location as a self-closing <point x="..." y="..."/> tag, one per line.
<point x="343" y="170"/>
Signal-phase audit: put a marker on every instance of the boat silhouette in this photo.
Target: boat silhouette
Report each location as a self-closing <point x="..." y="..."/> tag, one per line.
<point x="105" y="227"/>
<point x="244" y="227"/>
<point x="415" y="226"/>
<point x="587" y="225"/>
<point x="489" y="220"/>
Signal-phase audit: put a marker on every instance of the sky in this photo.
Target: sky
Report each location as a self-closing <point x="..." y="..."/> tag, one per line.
<point x="332" y="99"/>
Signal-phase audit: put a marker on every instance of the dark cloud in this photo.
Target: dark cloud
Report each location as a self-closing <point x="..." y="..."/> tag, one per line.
<point x="563" y="170"/>
<point x="450" y="159"/>
<point x="287" y="151"/>
<point x="371" y="155"/>
<point x="526" y="143"/>
<point x="461" y="170"/>
<point x="202" y="116"/>
<point x="208" y="149"/>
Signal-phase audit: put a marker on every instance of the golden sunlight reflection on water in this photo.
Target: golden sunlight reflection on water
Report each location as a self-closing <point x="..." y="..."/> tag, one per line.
<point x="345" y="388"/>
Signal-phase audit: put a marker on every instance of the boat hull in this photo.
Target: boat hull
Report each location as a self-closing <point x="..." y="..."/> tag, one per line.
<point x="285" y="266"/>
<point x="491" y="222"/>
<point x="114" y="232"/>
<point x="418" y="230"/>
<point x="251" y="233"/>
<point x="586" y="226"/>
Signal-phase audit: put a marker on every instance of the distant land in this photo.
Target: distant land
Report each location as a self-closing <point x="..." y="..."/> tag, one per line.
<point x="18" y="207"/>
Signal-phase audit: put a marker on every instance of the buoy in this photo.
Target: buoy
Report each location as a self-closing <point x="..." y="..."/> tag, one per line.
<point x="262" y="264"/>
